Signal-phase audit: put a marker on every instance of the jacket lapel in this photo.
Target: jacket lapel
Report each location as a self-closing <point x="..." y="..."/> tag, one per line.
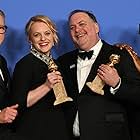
<point x="5" y="73"/>
<point x="73" y="69"/>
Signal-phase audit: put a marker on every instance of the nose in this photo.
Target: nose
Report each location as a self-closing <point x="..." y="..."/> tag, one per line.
<point x="77" y="29"/>
<point x="42" y="37"/>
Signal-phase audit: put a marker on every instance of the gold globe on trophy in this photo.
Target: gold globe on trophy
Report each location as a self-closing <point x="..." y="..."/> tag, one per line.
<point x="97" y="84"/>
<point x="58" y="88"/>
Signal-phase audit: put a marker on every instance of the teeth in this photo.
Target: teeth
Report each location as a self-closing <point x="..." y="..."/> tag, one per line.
<point x="79" y="35"/>
<point x="44" y="44"/>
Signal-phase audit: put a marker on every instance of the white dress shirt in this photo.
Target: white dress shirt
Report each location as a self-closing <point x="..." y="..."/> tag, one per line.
<point x="1" y="75"/>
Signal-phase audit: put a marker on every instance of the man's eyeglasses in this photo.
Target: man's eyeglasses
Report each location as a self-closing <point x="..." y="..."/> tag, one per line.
<point x="3" y="29"/>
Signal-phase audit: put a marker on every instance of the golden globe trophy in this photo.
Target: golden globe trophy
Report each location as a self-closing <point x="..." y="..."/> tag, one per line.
<point x="97" y="84"/>
<point x="58" y="88"/>
<point x="133" y="54"/>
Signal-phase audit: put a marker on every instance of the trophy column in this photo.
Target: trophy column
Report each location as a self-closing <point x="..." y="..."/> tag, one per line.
<point x="59" y="88"/>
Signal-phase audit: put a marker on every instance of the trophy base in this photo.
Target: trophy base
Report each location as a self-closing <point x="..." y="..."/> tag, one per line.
<point x="95" y="88"/>
<point x="62" y="100"/>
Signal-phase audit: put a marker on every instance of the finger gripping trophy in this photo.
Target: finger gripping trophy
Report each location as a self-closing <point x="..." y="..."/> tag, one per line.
<point x="58" y="88"/>
<point x="97" y="84"/>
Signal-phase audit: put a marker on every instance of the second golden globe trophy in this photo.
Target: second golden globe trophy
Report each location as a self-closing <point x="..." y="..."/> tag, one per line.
<point x="97" y="84"/>
<point x="59" y="88"/>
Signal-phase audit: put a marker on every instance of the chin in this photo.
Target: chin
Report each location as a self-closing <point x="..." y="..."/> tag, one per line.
<point x="45" y="52"/>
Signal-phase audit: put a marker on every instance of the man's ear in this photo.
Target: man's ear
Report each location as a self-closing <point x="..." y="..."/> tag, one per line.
<point x="97" y="27"/>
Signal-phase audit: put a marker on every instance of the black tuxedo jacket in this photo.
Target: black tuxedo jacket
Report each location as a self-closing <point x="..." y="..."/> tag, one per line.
<point x="4" y="84"/>
<point x="100" y="117"/>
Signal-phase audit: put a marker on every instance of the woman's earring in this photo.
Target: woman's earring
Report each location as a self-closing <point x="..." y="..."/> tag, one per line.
<point x="53" y="43"/>
<point x="31" y="46"/>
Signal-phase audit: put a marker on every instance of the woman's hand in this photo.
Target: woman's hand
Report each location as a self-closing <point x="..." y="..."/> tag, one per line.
<point x="53" y="78"/>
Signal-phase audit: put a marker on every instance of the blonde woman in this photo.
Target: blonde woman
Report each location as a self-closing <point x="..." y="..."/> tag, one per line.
<point x="32" y="84"/>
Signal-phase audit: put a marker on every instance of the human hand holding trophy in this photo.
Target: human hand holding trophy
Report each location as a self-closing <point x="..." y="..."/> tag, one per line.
<point x="58" y="88"/>
<point x="133" y="54"/>
<point x="97" y="84"/>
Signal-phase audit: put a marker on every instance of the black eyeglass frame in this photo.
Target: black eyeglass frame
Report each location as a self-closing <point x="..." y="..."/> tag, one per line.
<point x="4" y="28"/>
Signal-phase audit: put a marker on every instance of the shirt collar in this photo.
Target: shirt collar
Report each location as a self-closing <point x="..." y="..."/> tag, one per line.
<point x="96" y="48"/>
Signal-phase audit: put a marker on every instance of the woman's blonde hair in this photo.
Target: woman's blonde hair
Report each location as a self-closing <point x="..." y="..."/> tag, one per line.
<point x="46" y="20"/>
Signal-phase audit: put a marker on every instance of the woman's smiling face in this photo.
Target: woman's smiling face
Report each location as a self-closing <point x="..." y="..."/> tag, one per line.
<point x="41" y="37"/>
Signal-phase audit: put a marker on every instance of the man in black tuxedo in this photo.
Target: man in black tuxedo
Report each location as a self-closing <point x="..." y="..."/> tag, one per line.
<point x="7" y="114"/>
<point x="92" y="116"/>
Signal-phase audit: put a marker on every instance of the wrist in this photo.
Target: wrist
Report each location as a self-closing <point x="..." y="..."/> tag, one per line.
<point x="48" y="85"/>
<point x="117" y="84"/>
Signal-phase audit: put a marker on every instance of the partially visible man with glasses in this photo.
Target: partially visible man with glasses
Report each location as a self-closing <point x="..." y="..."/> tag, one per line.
<point x="3" y="27"/>
<point x="7" y="114"/>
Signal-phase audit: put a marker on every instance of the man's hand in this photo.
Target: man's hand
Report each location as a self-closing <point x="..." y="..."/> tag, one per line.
<point x="109" y="75"/>
<point x="8" y="114"/>
<point x="133" y="54"/>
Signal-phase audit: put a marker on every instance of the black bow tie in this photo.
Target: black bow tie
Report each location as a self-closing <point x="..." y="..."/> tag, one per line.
<point x="83" y="55"/>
